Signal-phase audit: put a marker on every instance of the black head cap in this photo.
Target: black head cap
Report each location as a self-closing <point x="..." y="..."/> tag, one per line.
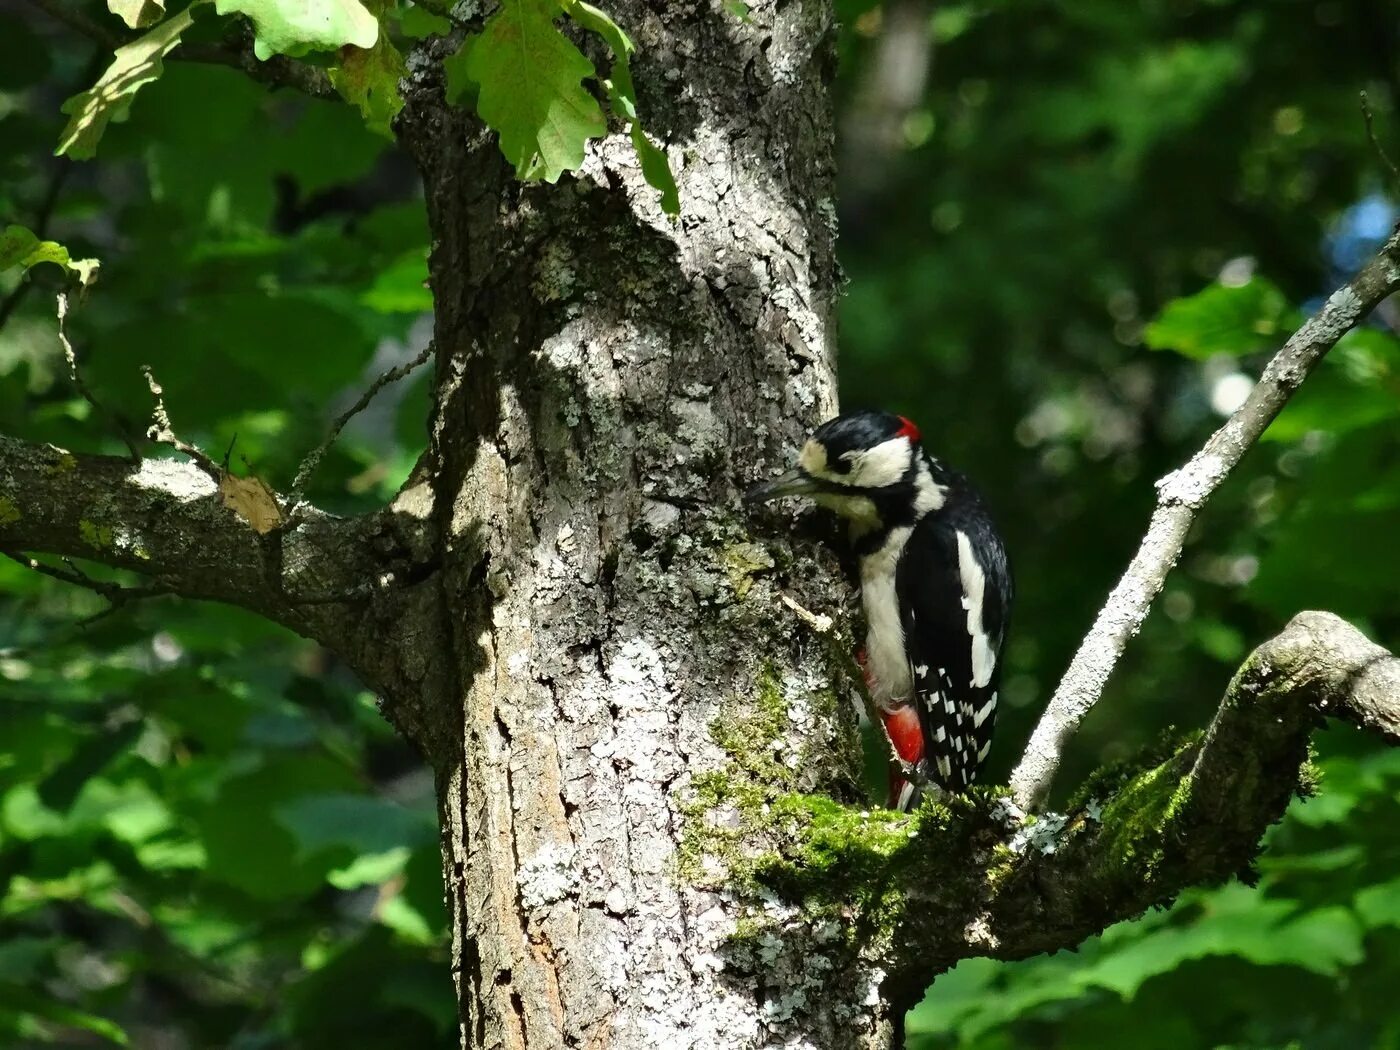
<point x="857" y="431"/>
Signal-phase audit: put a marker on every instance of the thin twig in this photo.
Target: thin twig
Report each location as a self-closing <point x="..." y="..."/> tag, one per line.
<point x="819" y="622"/>
<point x="1375" y="143"/>
<point x="77" y="377"/>
<point x="313" y="459"/>
<point x="115" y="593"/>
<point x="1180" y="495"/>
<point x="80" y="23"/>
<point x="162" y="433"/>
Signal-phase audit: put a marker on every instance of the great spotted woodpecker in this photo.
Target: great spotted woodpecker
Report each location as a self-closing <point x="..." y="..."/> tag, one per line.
<point x="935" y="585"/>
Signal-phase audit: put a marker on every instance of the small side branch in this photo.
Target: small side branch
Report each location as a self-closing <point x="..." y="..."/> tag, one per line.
<point x="313" y="458"/>
<point x="163" y="433"/>
<point x="76" y="376"/>
<point x="274" y="72"/>
<point x="1180" y="496"/>
<point x="116" y="594"/>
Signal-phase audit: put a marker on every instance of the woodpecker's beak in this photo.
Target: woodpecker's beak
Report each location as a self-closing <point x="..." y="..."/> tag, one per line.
<point x="794" y="483"/>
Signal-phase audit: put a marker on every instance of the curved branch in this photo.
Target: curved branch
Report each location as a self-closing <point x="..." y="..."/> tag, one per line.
<point x="1180" y="495"/>
<point x="1194" y="819"/>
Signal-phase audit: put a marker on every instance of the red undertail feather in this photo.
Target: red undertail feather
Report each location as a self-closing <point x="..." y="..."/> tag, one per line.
<point x="907" y="736"/>
<point x="902" y="724"/>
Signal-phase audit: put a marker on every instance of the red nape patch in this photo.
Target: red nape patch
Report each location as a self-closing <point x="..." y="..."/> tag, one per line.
<point x="907" y="736"/>
<point x="907" y="430"/>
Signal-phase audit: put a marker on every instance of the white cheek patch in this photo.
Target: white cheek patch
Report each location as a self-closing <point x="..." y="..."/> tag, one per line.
<point x="812" y="458"/>
<point x="974" y="585"/>
<point x="885" y="464"/>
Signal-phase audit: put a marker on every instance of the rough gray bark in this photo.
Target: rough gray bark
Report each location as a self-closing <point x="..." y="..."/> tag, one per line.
<point x="646" y="760"/>
<point x="607" y="381"/>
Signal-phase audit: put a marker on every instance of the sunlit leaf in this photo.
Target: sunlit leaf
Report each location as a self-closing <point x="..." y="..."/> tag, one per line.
<point x="20" y="247"/>
<point x="137" y="14"/>
<point x="369" y="78"/>
<point x="135" y="65"/>
<point x="531" y="90"/>
<point x="292" y="27"/>
<point x="1224" y="319"/>
<point x="622" y="96"/>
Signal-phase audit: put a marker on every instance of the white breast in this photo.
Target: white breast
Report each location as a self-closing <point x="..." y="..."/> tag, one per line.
<point x="885" y="661"/>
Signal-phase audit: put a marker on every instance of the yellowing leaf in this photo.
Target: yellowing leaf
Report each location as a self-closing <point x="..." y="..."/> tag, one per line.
<point x="368" y="78"/>
<point x="137" y="14"/>
<point x="292" y="27"/>
<point x="251" y="500"/>
<point x="532" y="92"/>
<point x="134" y="65"/>
<point x="20" y="247"/>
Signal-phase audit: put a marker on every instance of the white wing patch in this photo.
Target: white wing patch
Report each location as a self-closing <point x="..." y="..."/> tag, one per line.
<point x="974" y="584"/>
<point x="986" y="712"/>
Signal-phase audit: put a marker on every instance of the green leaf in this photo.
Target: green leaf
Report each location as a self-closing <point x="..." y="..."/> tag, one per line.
<point x="20" y="247"/>
<point x="401" y="286"/>
<point x="1379" y="905"/>
<point x="419" y="24"/>
<point x="532" y="95"/>
<point x="137" y="14"/>
<point x="657" y="170"/>
<point x="363" y="823"/>
<point x="59" y="789"/>
<point x="47" y="1008"/>
<point x="368" y="78"/>
<point x="135" y="65"/>
<point x="1220" y="319"/>
<point x="622" y="97"/>
<point x="293" y="27"/>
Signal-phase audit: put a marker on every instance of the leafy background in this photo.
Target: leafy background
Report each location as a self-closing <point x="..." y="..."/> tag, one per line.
<point x="1071" y="230"/>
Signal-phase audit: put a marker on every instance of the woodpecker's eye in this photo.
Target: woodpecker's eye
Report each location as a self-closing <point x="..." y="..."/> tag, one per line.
<point x="877" y="467"/>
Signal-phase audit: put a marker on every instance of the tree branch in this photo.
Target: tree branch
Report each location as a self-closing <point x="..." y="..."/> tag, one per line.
<point x="1194" y="818"/>
<point x="169" y="521"/>
<point x="274" y="72"/>
<point x="1180" y="495"/>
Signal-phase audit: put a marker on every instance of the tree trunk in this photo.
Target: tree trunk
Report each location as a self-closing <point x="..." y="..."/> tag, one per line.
<point x="608" y="380"/>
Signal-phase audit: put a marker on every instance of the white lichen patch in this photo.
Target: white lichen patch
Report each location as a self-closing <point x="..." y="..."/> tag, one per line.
<point x="173" y="478"/>
<point x="555" y="277"/>
<point x="548" y="876"/>
<point x="1043" y="835"/>
<point x="415" y="501"/>
<point x="1191" y="484"/>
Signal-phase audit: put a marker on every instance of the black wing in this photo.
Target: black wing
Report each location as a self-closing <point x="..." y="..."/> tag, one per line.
<point x="953" y="635"/>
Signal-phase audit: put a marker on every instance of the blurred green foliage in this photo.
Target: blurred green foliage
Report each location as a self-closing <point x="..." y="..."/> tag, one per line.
<point x="1067" y="250"/>
<point x="1080" y="184"/>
